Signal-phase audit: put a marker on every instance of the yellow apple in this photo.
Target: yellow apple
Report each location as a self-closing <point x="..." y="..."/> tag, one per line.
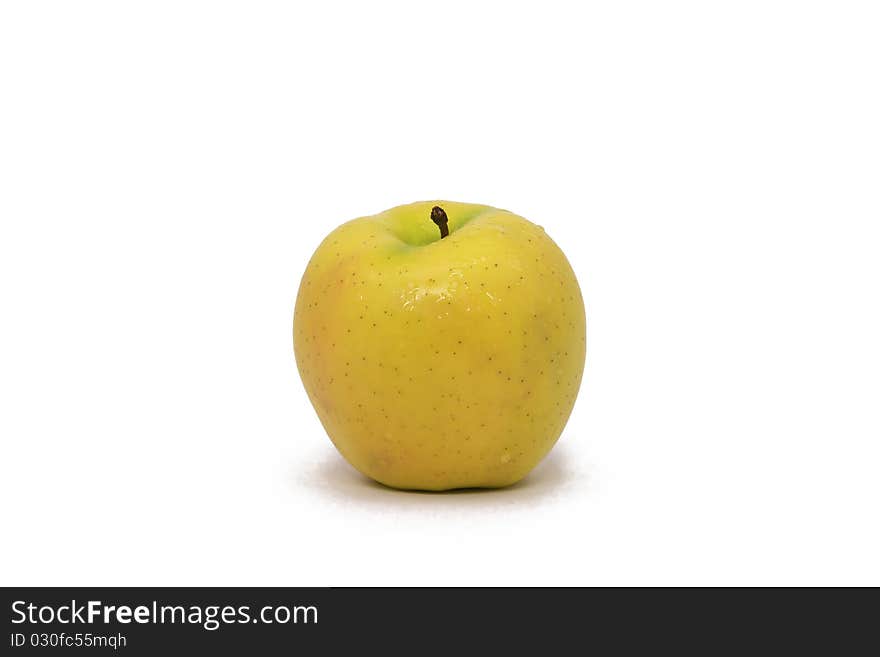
<point x="441" y="361"/>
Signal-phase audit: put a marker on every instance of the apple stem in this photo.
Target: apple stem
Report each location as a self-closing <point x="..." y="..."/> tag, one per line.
<point x="438" y="216"/>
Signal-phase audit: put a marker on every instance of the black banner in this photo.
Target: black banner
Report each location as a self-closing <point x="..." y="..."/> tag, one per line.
<point x="149" y="621"/>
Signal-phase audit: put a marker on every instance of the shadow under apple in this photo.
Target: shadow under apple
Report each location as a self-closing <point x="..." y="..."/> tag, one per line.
<point x="335" y="478"/>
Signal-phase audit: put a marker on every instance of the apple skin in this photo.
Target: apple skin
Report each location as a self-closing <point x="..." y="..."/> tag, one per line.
<point x="439" y="364"/>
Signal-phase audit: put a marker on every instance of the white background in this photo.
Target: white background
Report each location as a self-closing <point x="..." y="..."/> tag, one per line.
<point x="710" y="169"/>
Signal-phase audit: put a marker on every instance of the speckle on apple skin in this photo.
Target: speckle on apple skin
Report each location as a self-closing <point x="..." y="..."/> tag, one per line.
<point x="448" y="364"/>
